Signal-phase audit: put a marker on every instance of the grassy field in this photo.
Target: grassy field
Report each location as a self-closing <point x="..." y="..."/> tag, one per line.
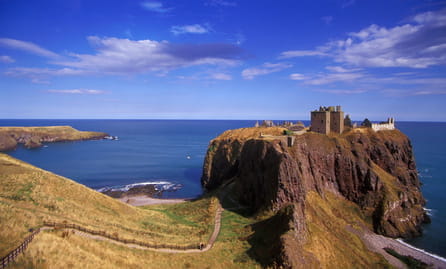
<point x="29" y="195"/>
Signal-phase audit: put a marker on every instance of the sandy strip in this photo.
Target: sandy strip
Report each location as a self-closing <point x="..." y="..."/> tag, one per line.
<point x="140" y="200"/>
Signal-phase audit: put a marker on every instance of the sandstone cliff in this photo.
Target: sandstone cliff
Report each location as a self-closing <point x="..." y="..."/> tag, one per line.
<point x="374" y="170"/>
<point x="33" y="137"/>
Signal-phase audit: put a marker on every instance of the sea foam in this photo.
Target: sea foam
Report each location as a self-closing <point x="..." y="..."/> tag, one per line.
<point x="159" y="186"/>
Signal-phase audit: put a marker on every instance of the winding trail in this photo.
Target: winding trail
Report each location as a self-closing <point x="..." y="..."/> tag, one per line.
<point x="206" y="247"/>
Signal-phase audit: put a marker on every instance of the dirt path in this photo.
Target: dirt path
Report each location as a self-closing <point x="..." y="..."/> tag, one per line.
<point x="207" y="246"/>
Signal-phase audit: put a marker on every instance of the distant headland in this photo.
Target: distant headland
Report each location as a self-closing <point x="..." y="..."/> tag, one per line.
<point x="33" y="137"/>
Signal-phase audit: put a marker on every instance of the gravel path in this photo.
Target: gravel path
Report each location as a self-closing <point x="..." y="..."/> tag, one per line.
<point x="208" y="246"/>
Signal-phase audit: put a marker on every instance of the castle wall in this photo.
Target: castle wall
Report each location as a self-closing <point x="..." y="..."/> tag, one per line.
<point x="389" y="125"/>
<point x="383" y="126"/>
<point x="337" y="122"/>
<point x="320" y="122"/>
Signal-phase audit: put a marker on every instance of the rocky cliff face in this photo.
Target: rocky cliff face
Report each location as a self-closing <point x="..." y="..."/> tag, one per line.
<point x="375" y="170"/>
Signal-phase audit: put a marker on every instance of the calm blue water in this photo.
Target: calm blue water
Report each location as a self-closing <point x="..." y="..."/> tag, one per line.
<point x="158" y="150"/>
<point x="147" y="151"/>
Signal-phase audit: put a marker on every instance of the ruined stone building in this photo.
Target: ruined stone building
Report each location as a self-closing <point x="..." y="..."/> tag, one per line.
<point x="388" y="125"/>
<point x="327" y="120"/>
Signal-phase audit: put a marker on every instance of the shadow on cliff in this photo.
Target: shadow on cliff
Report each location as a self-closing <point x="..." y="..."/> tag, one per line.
<point x="267" y="242"/>
<point x="266" y="238"/>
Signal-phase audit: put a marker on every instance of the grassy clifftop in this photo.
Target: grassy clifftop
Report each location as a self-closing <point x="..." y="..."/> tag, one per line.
<point x="34" y="136"/>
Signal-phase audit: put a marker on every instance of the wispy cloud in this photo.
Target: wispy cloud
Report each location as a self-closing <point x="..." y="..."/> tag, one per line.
<point x="77" y="91"/>
<point x="155" y="6"/>
<point x="300" y="53"/>
<point x="327" y="19"/>
<point x="418" y="44"/>
<point x="189" y="29"/>
<point x="340" y="69"/>
<point x="221" y="3"/>
<point x="221" y="76"/>
<point x="297" y="76"/>
<point x="28" y="47"/>
<point x="342" y="91"/>
<point x="117" y="56"/>
<point x="322" y="79"/>
<point x="6" y="59"/>
<point x="347" y="3"/>
<point x="266" y="68"/>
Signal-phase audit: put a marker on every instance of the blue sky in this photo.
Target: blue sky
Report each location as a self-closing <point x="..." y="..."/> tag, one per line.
<point x="222" y="59"/>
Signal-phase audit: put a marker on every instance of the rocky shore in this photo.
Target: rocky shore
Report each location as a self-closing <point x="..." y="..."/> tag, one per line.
<point x="141" y="195"/>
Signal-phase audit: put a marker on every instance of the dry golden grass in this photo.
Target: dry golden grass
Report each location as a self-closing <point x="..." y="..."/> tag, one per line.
<point x="248" y="133"/>
<point x="331" y="240"/>
<point x="29" y="195"/>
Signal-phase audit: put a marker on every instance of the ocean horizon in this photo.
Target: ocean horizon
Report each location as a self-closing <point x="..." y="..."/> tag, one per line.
<point x="170" y="154"/>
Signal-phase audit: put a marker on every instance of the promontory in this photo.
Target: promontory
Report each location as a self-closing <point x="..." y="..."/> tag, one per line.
<point x="330" y="200"/>
<point x="32" y="137"/>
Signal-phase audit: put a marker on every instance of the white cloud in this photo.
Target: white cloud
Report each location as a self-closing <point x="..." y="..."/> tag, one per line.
<point x="189" y="29"/>
<point x="77" y="91"/>
<point x="297" y="76"/>
<point x="155" y="6"/>
<point x="418" y="44"/>
<point x="265" y="69"/>
<point x="28" y="47"/>
<point x="117" y="56"/>
<point x="6" y="59"/>
<point x="340" y="69"/>
<point x="221" y="76"/>
<point x="300" y="53"/>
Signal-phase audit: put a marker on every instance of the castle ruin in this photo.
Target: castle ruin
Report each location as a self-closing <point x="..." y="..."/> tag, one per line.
<point x="327" y="120"/>
<point x="388" y="125"/>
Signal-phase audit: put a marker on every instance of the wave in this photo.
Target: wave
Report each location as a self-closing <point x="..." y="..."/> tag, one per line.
<point x="421" y="250"/>
<point x="159" y="186"/>
<point x="429" y="212"/>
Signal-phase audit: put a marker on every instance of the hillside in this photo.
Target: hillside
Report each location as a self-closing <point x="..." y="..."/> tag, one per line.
<point x="326" y="192"/>
<point x="33" y="137"/>
<point x="29" y="196"/>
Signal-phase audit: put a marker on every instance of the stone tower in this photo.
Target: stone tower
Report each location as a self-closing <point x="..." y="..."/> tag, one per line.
<point x="327" y="120"/>
<point x="320" y="121"/>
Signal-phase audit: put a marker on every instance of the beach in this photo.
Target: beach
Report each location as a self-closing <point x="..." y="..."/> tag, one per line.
<point x="141" y="200"/>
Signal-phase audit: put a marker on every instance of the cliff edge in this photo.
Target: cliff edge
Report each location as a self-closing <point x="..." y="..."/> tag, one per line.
<point x="371" y="175"/>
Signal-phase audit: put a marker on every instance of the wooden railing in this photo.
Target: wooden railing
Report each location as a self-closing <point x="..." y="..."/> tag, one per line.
<point x="14" y="253"/>
<point x="115" y="237"/>
<point x="56" y="225"/>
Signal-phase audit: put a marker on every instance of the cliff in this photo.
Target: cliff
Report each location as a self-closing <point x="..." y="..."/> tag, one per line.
<point x="33" y="137"/>
<point x="373" y="171"/>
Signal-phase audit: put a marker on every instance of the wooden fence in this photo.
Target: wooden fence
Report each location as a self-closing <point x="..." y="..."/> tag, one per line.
<point x="56" y="225"/>
<point x="115" y="237"/>
<point x="14" y="253"/>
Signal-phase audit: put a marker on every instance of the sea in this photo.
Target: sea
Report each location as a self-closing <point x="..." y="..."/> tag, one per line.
<point x="169" y="154"/>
